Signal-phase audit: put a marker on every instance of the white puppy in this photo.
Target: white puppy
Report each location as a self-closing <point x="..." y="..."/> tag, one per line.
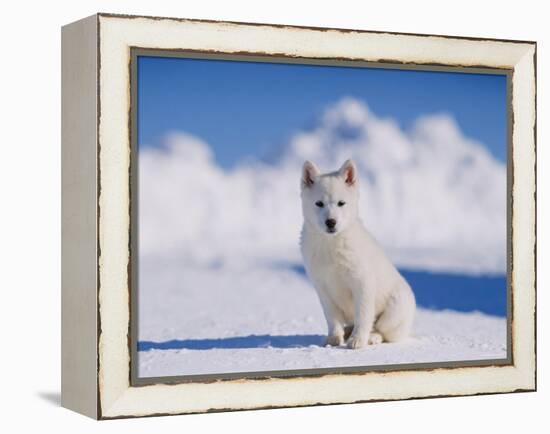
<point x="359" y="288"/>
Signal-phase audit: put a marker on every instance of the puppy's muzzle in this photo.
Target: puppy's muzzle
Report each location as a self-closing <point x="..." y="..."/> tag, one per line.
<point x="331" y="225"/>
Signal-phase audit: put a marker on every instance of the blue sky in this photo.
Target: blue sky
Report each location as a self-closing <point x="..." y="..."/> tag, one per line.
<point x="245" y="109"/>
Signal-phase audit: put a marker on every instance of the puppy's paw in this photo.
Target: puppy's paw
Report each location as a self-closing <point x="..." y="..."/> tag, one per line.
<point x="375" y="338"/>
<point x="356" y="342"/>
<point x="334" y="341"/>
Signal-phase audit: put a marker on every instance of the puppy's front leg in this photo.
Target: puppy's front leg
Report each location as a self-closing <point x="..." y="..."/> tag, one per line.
<point x="364" y="317"/>
<point x="334" y="318"/>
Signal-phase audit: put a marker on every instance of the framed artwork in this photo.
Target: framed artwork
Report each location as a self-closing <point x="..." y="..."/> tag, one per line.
<point x="262" y="216"/>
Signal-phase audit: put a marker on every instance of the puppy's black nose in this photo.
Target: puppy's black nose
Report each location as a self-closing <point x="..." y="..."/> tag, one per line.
<point x="330" y="223"/>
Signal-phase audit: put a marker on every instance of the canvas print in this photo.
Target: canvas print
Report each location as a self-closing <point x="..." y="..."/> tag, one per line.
<point x="295" y="218"/>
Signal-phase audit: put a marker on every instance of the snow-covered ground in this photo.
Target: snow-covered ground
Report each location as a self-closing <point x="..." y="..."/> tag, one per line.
<point x="205" y="321"/>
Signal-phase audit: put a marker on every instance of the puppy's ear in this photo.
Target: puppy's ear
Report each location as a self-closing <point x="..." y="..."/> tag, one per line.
<point x="348" y="172"/>
<point x="309" y="173"/>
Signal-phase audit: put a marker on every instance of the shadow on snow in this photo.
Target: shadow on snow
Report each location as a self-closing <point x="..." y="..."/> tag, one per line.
<point x="460" y="292"/>
<point x="252" y="341"/>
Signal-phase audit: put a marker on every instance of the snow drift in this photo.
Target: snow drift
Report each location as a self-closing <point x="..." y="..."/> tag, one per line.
<point x="435" y="199"/>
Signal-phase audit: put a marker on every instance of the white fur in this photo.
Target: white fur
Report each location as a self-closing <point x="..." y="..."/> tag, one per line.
<point x="359" y="288"/>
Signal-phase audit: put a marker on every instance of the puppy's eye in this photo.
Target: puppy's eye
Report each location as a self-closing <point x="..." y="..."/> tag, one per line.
<point x="341" y="203"/>
<point x="319" y="204"/>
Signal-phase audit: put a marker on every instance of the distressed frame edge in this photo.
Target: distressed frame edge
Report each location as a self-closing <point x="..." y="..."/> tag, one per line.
<point x="305" y="27"/>
<point x="79" y="321"/>
<point x="529" y="385"/>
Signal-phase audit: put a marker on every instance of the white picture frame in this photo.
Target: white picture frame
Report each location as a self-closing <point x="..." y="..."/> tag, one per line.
<point x="97" y="215"/>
